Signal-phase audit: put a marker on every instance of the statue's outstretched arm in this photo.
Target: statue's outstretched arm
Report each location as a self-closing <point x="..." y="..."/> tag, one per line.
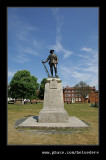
<point x="46" y="60"/>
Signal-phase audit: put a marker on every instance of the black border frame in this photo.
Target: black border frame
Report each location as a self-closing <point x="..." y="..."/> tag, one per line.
<point x="3" y="99"/>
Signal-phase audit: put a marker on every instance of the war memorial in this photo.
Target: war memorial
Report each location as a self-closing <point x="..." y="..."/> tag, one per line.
<point x="53" y="115"/>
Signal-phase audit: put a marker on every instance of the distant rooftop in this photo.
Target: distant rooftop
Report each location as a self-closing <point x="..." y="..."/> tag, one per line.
<point x="70" y="88"/>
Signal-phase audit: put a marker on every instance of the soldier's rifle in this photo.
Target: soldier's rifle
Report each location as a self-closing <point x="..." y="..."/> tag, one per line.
<point x="46" y="69"/>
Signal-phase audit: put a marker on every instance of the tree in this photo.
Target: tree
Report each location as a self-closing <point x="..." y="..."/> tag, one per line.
<point x="42" y="87"/>
<point x="23" y="85"/>
<point x="82" y="90"/>
<point x="9" y="91"/>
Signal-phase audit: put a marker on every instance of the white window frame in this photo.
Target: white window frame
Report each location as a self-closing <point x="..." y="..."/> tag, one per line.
<point x="79" y="99"/>
<point x="76" y="99"/>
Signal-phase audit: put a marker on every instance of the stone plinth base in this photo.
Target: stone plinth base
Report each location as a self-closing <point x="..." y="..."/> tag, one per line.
<point x="53" y="116"/>
<point x="53" y="109"/>
<point x="32" y="122"/>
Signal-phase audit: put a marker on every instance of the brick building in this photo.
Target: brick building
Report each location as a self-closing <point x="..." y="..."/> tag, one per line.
<point x="70" y="96"/>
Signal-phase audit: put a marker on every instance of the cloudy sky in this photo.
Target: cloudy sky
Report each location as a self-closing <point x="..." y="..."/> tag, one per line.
<point x="71" y="32"/>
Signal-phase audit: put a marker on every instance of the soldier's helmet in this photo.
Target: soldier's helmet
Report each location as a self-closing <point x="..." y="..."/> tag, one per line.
<point x="51" y="50"/>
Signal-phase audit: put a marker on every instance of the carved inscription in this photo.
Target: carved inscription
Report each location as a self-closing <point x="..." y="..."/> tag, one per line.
<point x="53" y="84"/>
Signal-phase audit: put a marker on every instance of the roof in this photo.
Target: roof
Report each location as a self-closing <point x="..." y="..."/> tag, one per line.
<point x="72" y="88"/>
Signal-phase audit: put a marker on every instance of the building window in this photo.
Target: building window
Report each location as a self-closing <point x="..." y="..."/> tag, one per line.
<point x="72" y="95"/>
<point x="79" y="99"/>
<point x="76" y="99"/>
<point x="67" y="99"/>
<point x="68" y="95"/>
<point x="76" y="95"/>
<point x="87" y="96"/>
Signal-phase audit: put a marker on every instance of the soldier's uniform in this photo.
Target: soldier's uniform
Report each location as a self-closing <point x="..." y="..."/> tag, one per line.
<point x="53" y="61"/>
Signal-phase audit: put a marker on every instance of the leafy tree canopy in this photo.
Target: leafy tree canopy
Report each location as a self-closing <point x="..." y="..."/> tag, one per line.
<point x="82" y="89"/>
<point x="42" y="87"/>
<point x="23" y="85"/>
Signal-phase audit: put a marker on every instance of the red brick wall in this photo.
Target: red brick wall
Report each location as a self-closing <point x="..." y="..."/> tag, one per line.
<point x="93" y="97"/>
<point x="68" y="93"/>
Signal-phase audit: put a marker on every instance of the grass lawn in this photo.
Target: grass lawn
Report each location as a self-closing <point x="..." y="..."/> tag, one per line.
<point x="88" y="136"/>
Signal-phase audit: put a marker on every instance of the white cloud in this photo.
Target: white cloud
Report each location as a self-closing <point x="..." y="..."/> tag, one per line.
<point x="88" y="50"/>
<point x="59" y="19"/>
<point x="83" y="69"/>
<point x="10" y="74"/>
<point x="24" y="54"/>
<point x="92" y="68"/>
<point x="58" y="47"/>
<point x="67" y="53"/>
<point x="21" y="58"/>
<point x="70" y="72"/>
<point x="28" y="50"/>
<point x="84" y="56"/>
<point x="22" y="35"/>
<point x="24" y="40"/>
<point x="73" y="76"/>
<point x="38" y="44"/>
<point x="24" y="32"/>
<point x="55" y="10"/>
<point x="31" y="28"/>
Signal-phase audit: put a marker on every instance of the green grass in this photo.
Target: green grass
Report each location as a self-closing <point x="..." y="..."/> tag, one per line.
<point x="81" y="111"/>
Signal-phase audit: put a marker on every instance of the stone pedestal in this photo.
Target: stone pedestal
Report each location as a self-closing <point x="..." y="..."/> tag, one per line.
<point x="53" y="109"/>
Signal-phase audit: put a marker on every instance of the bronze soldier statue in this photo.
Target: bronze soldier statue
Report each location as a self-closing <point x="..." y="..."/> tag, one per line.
<point x="53" y="61"/>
